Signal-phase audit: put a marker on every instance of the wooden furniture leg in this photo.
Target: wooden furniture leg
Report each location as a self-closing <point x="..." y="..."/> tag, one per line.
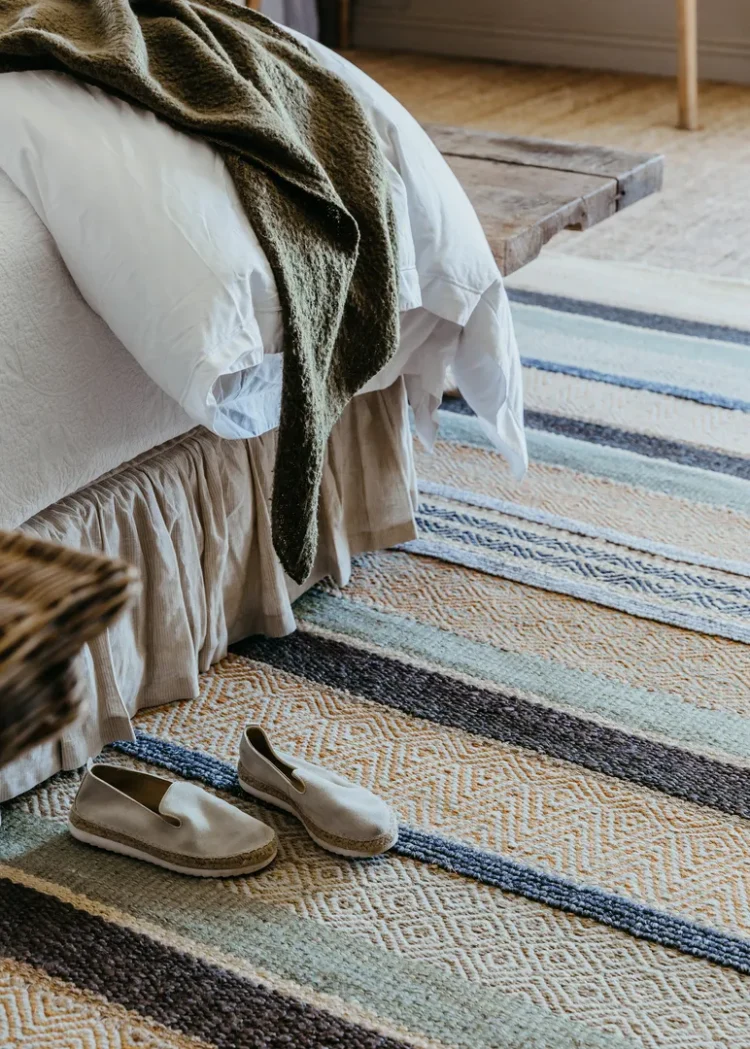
<point x="687" y="63"/>
<point x="345" y="24"/>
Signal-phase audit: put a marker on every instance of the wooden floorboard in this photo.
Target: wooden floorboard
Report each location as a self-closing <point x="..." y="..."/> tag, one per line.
<point x="700" y="220"/>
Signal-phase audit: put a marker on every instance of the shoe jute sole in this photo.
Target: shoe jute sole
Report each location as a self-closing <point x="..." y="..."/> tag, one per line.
<point x="331" y="842"/>
<point x="103" y="838"/>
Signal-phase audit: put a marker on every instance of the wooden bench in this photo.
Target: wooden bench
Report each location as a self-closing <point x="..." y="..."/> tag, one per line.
<point x="525" y="190"/>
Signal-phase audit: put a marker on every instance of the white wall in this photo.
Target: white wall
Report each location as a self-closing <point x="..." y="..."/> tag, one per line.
<point x="635" y="35"/>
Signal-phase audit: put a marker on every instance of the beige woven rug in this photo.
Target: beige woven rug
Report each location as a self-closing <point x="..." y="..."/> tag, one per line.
<point x="550" y="686"/>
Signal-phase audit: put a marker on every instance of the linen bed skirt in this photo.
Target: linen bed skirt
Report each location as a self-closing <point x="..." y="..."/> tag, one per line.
<point x="194" y="516"/>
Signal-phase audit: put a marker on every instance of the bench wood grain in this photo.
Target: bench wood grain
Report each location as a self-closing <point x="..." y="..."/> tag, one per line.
<point x="526" y="190"/>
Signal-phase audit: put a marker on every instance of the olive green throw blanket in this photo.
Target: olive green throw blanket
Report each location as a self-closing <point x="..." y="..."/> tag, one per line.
<point x="309" y="173"/>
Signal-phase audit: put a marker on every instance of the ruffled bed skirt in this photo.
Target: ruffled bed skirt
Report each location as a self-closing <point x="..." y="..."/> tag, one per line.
<point x="194" y="516"/>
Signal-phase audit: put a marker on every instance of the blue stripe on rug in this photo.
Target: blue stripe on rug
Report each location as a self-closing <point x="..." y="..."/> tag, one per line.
<point x="637" y="919"/>
<point x="634" y="318"/>
<point x="473" y="556"/>
<point x="714" y="400"/>
<point x="591" y="531"/>
<point x="605" y="564"/>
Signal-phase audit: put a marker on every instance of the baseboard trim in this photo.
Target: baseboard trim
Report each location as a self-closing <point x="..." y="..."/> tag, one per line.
<point x="727" y="60"/>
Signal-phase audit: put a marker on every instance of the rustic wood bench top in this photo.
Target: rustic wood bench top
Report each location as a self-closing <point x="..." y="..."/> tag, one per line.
<point x="525" y="190"/>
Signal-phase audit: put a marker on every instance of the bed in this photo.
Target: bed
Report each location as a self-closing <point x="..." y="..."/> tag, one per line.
<point x="101" y="452"/>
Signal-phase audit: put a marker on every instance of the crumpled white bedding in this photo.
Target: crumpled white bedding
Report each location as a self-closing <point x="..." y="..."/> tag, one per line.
<point x="149" y="226"/>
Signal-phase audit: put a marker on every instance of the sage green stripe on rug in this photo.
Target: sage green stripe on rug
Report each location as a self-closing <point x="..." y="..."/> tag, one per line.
<point x="646" y="356"/>
<point x="641" y="710"/>
<point x="615" y="464"/>
<point x="205" y="911"/>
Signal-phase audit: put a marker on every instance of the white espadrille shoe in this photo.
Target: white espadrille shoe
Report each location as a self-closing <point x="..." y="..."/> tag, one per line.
<point x="174" y="825"/>
<point x="337" y="814"/>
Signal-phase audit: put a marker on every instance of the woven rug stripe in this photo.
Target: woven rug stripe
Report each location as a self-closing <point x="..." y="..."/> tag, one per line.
<point x="654" y="415"/>
<point x="438" y="697"/>
<point x="419" y="996"/>
<point x="551" y="545"/>
<point x="638" y="709"/>
<point x="169" y="986"/>
<point x="633" y="318"/>
<point x="677" y="452"/>
<point x="658" y="474"/>
<point x="714" y="400"/>
<point x="39" y="1011"/>
<point x="583" y="528"/>
<point x="700" y="455"/>
<point x="636" y="919"/>
<point x="470" y="554"/>
<point x="704" y="366"/>
<point x="553" y="629"/>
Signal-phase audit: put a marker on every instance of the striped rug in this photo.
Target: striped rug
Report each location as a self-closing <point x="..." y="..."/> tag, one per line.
<point x="551" y="686"/>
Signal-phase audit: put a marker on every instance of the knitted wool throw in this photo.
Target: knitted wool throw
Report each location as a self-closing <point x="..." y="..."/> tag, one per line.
<point x="309" y="173"/>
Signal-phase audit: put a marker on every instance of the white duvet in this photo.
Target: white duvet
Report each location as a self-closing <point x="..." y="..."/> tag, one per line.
<point x="151" y="230"/>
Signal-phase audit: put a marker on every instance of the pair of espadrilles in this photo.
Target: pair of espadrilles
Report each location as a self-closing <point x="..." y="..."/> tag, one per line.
<point x="182" y="827"/>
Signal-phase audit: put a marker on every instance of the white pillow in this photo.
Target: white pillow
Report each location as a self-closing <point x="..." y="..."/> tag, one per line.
<point x="149" y="224"/>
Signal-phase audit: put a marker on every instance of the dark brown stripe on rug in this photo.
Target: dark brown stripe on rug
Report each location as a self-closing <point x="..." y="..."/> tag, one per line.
<point x="640" y="443"/>
<point x="449" y="701"/>
<point x="635" y="318"/>
<point x="166" y="985"/>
